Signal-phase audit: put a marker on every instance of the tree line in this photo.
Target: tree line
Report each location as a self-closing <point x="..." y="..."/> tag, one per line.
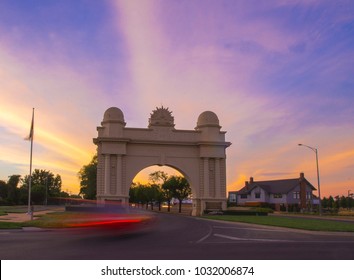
<point x="334" y="203"/>
<point x="160" y="188"/>
<point x="44" y="186"/>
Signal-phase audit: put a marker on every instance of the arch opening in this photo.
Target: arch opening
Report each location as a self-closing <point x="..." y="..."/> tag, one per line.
<point x="163" y="189"/>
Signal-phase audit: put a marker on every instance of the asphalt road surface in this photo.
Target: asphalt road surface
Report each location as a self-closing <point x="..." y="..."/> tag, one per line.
<point x="178" y="237"/>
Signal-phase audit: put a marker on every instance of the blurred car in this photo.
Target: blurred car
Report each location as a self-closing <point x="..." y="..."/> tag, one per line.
<point x="109" y="218"/>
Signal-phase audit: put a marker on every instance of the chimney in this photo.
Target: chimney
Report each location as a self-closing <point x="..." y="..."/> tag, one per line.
<point x="251" y="180"/>
<point x="302" y="191"/>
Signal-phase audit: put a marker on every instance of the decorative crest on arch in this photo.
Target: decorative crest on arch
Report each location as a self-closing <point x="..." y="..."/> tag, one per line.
<point x="161" y="117"/>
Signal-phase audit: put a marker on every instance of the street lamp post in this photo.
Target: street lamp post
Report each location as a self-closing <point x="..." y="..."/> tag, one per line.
<point x="318" y="177"/>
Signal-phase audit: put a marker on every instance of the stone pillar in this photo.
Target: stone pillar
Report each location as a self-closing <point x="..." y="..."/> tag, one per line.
<point x="107" y="168"/>
<point x="119" y="175"/>
<point x="206" y="178"/>
<point x="217" y="178"/>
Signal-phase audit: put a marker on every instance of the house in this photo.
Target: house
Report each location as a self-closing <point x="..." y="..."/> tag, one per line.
<point x="282" y="195"/>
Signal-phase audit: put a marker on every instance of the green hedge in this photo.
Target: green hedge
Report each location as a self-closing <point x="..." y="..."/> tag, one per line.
<point x="237" y="212"/>
<point x="245" y="213"/>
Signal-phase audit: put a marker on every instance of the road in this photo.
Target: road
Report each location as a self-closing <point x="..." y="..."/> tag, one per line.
<point x="179" y="237"/>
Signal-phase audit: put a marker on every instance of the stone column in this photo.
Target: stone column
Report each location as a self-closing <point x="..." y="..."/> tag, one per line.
<point x="119" y="175"/>
<point x="206" y="177"/>
<point x="107" y="174"/>
<point x="217" y="178"/>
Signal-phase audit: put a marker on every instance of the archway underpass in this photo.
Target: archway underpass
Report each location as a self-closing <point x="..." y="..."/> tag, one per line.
<point x="156" y="199"/>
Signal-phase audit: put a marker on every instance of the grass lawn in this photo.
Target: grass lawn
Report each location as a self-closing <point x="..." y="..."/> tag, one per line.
<point x="44" y="220"/>
<point x="50" y="220"/>
<point x="13" y="209"/>
<point x="10" y="225"/>
<point x="290" y="222"/>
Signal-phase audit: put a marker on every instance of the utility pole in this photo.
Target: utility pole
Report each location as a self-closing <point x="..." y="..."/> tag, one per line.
<point x="318" y="177"/>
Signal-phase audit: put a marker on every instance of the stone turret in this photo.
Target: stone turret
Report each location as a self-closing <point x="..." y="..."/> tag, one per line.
<point x="112" y="124"/>
<point x="208" y="125"/>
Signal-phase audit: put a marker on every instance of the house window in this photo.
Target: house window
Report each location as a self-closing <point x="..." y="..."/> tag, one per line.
<point x="277" y="195"/>
<point x="308" y="195"/>
<point x="243" y="195"/>
<point x="296" y="195"/>
<point x="257" y="195"/>
<point x="232" y="197"/>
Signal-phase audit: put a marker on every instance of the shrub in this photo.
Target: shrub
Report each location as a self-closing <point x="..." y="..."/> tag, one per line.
<point x="245" y="213"/>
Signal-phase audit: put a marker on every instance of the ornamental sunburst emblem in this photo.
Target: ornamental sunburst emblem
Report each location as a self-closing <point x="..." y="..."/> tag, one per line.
<point x="161" y="117"/>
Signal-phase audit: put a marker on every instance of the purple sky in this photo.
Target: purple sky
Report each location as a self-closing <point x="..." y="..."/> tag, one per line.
<point x="277" y="73"/>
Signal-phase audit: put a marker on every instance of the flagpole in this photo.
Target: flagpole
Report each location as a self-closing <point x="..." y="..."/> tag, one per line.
<point x="29" y="211"/>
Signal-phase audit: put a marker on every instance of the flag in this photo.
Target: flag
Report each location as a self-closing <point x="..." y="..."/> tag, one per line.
<point x="30" y="136"/>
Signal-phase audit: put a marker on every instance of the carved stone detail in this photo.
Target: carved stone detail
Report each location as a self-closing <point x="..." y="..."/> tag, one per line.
<point x="161" y="117"/>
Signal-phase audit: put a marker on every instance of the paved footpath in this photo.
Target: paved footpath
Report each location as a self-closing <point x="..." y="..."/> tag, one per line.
<point x="24" y="217"/>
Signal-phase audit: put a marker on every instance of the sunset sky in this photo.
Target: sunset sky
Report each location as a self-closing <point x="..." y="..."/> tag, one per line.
<point x="277" y="73"/>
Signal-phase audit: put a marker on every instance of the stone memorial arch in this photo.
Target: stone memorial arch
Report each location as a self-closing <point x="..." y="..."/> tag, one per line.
<point x="199" y="154"/>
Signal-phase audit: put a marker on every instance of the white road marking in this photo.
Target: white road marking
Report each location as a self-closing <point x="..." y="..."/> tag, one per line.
<point x="206" y="236"/>
<point x="250" y="239"/>
<point x="254" y="229"/>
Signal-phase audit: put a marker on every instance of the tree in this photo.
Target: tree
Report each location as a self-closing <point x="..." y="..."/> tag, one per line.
<point x="160" y="188"/>
<point x="158" y="177"/>
<point x="88" y="179"/>
<point x="151" y="194"/>
<point x="13" y="193"/>
<point x="337" y="202"/>
<point x="3" y="190"/>
<point x="158" y="194"/>
<point x="138" y="194"/>
<point x="23" y="195"/>
<point x="350" y="202"/>
<point x="38" y="194"/>
<point x="324" y="202"/>
<point x="331" y="202"/>
<point x="162" y="193"/>
<point x="179" y="188"/>
<point x="133" y="196"/>
<point x="44" y="184"/>
<point x="343" y="202"/>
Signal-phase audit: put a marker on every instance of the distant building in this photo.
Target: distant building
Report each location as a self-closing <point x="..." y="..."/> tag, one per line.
<point x="282" y="195"/>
